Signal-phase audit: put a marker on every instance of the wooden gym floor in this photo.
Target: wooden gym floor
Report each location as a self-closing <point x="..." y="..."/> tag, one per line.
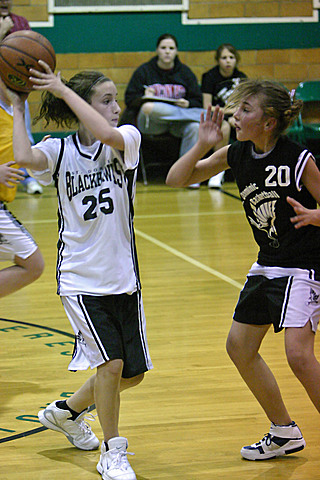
<point x="193" y="413"/>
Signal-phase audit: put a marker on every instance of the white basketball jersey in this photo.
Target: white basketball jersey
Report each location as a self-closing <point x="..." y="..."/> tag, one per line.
<point x="95" y="187"/>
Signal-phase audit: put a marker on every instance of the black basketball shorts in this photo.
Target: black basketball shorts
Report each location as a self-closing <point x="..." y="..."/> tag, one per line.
<point x="284" y="301"/>
<point x="107" y="328"/>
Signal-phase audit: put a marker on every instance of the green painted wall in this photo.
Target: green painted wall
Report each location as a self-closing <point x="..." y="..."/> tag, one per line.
<point x="115" y="32"/>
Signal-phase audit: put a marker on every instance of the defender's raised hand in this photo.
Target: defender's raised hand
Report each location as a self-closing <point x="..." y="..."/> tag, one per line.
<point x="210" y="126"/>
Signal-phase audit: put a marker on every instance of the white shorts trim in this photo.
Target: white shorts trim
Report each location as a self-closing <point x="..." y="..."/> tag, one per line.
<point x="302" y="296"/>
<point x="15" y="240"/>
<point x="87" y="354"/>
<point x="303" y="304"/>
<point x="277" y="272"/>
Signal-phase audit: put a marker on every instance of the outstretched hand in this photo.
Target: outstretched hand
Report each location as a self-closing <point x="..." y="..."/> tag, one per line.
<point x="9" y="174"/>
<point x="47" y="80"/>
<point x="210" y="127"/>
<point x="304" y="216"/>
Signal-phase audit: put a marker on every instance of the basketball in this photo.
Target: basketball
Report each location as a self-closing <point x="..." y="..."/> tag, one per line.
<point x="21" y="51"/>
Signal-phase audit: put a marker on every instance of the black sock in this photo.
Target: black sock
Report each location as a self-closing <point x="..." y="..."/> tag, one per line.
<point x="106" y="444"/>
<point x="63" y="405"/>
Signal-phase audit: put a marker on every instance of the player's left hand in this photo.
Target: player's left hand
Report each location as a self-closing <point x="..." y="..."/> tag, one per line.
<point x="304" y="216"/>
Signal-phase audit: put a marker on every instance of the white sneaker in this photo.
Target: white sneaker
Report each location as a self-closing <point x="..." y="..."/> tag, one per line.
<point x="77" y="431"/>
<point x="194" y="186"/>
<point x="281" y="440"/>
<point x="216" y="181"/>
<point x="33" y="187"/>
<point x="113" y="464"/>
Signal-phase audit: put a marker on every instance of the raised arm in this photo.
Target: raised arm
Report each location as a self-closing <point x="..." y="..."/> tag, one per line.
<point x="24" y="155"/>
<point x="190" y="168"/>
<point x="87" y="115"/>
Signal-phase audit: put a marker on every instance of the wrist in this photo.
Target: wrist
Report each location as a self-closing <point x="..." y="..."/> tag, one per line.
<point x="19" y="109"/>
<point x="203" y="148"/>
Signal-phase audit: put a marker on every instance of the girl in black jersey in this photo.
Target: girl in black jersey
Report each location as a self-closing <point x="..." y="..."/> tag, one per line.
<point x="283" y="286"/>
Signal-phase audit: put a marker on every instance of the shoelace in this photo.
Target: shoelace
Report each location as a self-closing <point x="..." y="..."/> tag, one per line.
<point x="118" y="460"/>
<point x="85" y="427"/>
<point x="266" y="439"/>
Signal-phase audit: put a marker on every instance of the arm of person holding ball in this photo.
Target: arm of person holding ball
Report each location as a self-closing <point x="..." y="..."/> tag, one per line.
<point x="25" y="156"/>
<point x="89" y="117"/>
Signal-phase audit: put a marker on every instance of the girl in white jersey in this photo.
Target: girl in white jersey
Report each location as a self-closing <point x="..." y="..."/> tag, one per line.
<point x="283" y="286"/>
<point x="97" y="272"/>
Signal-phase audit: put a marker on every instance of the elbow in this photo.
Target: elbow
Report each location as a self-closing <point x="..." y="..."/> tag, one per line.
<point x="22" y="162"/>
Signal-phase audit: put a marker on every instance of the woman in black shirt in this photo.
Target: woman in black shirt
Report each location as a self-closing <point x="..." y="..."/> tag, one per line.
<point x="217" y="85"/>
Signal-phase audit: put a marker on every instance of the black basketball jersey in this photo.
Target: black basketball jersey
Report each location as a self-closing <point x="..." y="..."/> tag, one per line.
<point x="264" y="182"/>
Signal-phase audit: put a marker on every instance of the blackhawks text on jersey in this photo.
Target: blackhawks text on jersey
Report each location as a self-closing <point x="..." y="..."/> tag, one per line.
<point x="95" y="188"/>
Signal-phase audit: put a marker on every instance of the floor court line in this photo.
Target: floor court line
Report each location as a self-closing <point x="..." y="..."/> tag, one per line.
<point x="188" y="259"/>
<point x="143" y="217"/>
<point x="171" y="250"/>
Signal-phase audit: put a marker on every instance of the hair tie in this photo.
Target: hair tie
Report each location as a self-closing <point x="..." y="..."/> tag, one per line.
<point x="292" y="94"/>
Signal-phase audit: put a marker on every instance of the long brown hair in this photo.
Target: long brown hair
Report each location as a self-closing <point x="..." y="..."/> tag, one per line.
<point x="55" y="109"/>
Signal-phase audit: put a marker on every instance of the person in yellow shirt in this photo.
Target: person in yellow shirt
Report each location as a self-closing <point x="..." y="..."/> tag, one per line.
<point x="16" y="243"/>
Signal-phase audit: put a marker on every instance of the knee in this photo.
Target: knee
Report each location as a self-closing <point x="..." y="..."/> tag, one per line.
<point x="239" y="352"/>
<point x="33" y="266"/>
<point x="38" y="265"/>
<point x="112" y="368"/>
<point x="298" y="360"/>
<point x="147" y="108"/>
<point x="192" y="129"/>
<point x="232" y="348"/>
<point x="190" y="134"/>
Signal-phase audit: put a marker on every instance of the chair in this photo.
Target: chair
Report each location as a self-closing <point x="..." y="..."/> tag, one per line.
<point x="307" y="127"/>
<point x="158" y="153"/>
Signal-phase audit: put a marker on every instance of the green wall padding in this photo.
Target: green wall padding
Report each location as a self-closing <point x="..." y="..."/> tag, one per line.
<point x="117" y="32"/>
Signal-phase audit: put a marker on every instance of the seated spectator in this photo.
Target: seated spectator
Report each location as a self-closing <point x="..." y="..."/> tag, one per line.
<point x="9" y="23"/>
<point x="217" y="85"/>
<point x="163" y="96"/>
